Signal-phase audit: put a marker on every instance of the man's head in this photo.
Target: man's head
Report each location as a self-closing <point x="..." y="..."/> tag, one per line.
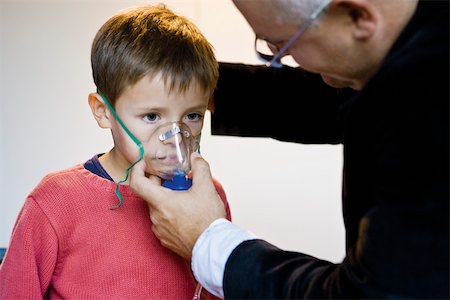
<point x="346" y="44"/>
<point x="149" y="40"/>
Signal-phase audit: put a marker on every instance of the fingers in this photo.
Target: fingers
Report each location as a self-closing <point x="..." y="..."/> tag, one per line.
<point x="201" y="172"/>
<point x="146" y="188"/>
<point x="155" y="179"/>
<point x="207" y="197"/>
<point x="138" y="170"/>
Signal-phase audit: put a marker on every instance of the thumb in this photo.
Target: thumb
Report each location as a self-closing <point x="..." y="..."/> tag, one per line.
<point x="145" y="187"/>
<point x="201" y="173"/>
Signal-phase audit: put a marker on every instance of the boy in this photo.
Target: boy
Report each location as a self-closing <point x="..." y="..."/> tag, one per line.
<point x="150" y="67"/>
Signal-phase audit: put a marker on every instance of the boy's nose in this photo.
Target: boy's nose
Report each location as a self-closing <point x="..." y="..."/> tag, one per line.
<point x="174" y="140"/>
<point x="169" y="132"/>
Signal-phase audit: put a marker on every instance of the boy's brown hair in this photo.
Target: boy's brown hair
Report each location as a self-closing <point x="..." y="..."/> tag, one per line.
<point x="147" y="40"/>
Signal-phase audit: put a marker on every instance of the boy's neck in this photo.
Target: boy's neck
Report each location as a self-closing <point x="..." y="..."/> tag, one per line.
<point x="114" y="164"/>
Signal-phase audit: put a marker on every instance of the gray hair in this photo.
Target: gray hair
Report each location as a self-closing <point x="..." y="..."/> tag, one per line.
<point x="294" y="11"/>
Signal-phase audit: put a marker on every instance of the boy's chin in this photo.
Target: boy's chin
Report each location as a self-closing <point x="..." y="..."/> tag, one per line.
<point x="162" y="174"/>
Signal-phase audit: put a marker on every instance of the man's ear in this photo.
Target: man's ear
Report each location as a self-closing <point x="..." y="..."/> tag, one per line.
<point x="99" y="110"/>
<point x="363" y="15"/>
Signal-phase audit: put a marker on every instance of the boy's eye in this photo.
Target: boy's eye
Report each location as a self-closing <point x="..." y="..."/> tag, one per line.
<point x="151" y="117"/>
<point x="194" y="117"/>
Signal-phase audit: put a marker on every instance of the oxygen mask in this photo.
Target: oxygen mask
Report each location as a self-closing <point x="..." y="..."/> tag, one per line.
<point x="168" y="152"/>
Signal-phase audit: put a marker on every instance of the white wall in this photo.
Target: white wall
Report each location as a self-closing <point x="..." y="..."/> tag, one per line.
<point x="286" y="193"/>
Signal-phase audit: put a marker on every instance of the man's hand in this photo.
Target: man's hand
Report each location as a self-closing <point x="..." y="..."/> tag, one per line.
<point x="179" y="217"/>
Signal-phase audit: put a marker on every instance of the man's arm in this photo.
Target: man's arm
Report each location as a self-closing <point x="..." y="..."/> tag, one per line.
<point x="211" y="252"/>
<point x="401" y="253"/>
<point x="256" y="101"/>
<point x="179" y="217"/>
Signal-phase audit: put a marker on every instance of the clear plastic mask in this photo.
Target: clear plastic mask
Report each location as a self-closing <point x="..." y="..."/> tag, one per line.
<point x="168" y="152"/>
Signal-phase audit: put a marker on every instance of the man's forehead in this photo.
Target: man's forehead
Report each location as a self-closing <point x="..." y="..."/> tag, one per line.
<point x="265" y="18"/>
<point x="269" y="29"/>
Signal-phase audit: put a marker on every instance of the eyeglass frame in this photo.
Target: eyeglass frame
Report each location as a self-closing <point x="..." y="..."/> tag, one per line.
<point x="274" y="61"/>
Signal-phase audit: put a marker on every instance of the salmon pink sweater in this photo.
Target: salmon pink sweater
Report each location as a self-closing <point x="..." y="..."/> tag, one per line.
<point x="69" y="243"/>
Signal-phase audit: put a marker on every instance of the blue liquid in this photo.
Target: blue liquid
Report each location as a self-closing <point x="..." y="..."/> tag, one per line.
<point x="179" y="181"/>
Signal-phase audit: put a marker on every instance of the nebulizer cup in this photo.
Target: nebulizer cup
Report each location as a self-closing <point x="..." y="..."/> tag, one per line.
<point x="168" y="152"/>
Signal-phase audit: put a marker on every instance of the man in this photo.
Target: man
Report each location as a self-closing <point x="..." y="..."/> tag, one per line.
<point x="393" y="123"/>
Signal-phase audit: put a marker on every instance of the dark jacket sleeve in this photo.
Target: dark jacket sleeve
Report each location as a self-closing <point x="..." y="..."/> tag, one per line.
<point x="402" y="253"/>
<point x="287" y="104"/>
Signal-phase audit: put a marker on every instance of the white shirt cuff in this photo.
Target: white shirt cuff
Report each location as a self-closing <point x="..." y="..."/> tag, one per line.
<point x="211" y="252"/>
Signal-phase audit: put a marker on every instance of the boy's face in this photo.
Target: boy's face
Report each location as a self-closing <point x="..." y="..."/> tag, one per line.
<point x="145" y="106"/>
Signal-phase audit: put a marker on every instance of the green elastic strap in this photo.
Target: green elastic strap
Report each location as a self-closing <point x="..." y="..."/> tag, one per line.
<point x="135" y="140"/>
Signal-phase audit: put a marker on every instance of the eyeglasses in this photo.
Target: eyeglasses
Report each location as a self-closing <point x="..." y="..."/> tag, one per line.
<point x="263" y="48"/>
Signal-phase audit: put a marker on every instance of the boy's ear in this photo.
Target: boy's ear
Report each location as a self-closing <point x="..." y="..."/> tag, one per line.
<point x="363" y="15"/>
<point x="211" y="104"/>
<point x="99" y="110"/>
